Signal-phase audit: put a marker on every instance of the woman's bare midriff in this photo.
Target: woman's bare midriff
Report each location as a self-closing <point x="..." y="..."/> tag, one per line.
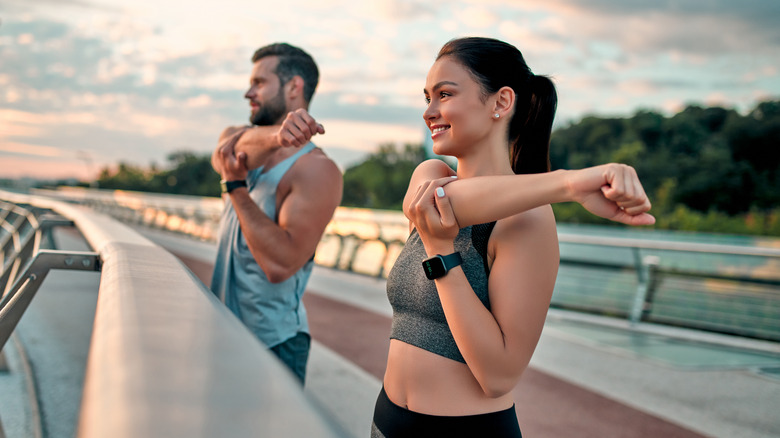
<point x="427" y="383"/>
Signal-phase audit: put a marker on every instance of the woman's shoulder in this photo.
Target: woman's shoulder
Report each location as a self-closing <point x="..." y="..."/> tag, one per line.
<point x="431" y="169"/>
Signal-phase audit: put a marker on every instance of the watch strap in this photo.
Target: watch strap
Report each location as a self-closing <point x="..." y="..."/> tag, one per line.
<point x="229" y="186"/>
<point x="452" y="260"/>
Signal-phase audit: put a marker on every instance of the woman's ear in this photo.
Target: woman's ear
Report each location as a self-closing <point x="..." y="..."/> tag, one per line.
<point x="505" y="101"/>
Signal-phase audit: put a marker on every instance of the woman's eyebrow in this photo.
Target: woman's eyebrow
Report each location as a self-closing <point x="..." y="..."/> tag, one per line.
<point x="439" y="85"/>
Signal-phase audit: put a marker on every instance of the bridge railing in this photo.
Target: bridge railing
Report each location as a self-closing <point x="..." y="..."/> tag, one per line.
<point x="166" y="357"/>
<point x="722" y="288"/>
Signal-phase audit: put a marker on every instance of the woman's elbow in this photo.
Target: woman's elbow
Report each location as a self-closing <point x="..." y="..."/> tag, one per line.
<point x="496" y="387"/>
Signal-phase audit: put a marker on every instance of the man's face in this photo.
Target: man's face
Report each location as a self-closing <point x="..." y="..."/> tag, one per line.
<point x="266" y="93"/>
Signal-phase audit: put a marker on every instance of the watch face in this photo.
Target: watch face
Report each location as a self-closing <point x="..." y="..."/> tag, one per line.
<point x="434" y="267"/>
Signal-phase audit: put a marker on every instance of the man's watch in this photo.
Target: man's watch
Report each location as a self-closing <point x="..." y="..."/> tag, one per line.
<point x="229" y="186"/>
<point x="438" y="265"/>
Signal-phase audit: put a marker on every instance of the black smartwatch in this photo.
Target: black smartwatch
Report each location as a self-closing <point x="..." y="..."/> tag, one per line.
<point x="438" y="265"/>
<point x="229" y="186"/>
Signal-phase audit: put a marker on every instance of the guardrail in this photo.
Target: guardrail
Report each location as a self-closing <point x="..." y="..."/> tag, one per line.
<point x="166" y="357"/>
<point x="722" y="288"/>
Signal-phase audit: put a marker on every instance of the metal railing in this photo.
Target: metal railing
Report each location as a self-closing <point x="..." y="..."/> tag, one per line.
<point x="722" y="288"/>
<point x="166" y="357"/>
<point x="686" y="284"/>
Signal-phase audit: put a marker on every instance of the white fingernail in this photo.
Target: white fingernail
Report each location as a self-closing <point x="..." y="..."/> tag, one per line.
<point x="440" y="192"/>
<point x="454" y="176"/>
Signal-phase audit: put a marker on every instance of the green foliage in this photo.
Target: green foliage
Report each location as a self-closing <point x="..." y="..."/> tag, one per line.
<point x="187" y="174"/>
<point x="381" y="180"/>
<point x="706" y="169"/>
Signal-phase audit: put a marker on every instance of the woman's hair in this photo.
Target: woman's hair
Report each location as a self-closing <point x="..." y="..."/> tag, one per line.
<point x="495" y="64"/>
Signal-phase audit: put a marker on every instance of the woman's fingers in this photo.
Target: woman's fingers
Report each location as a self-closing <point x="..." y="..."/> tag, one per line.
<point x="444" y="206"/>
<point x="431" y="210"/>
<point x="625" y="190"/>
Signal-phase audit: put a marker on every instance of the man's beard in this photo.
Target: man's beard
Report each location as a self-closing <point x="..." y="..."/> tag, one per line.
<point x="270" y="112"/>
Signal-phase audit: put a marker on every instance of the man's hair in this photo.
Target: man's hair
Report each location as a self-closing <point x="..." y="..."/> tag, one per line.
<point x="293" y="61"/>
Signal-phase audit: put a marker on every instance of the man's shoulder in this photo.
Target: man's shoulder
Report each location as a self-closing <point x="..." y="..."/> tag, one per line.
<point x="314" y="170"/>
<point x="317" y="160"/>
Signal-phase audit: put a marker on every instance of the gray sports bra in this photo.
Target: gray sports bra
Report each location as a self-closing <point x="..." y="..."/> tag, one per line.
<point x="418" y="317"/>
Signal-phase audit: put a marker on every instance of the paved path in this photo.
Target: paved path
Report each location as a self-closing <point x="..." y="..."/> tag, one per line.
<point x="574" y="386"/>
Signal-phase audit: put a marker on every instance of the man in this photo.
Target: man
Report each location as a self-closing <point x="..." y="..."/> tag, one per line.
<point x="280" y="192"/>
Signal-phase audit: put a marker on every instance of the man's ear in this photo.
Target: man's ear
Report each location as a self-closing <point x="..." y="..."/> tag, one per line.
<point x="294" y="87"/>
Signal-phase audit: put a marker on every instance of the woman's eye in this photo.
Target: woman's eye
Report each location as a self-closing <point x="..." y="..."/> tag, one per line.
<point x="444" y="94"/>
<point x="427" y="100"/>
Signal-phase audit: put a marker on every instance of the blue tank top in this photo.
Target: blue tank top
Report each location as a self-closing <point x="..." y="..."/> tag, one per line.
<point x="272" y="311"/>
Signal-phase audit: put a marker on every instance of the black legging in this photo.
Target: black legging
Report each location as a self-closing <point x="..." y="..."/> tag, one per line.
<point x="393" y="421"/>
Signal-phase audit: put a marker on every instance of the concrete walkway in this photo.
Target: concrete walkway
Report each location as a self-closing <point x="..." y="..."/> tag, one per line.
<point x="590" y="376"/>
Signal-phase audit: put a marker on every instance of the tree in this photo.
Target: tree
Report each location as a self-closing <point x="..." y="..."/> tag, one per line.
<point x="381" y="180"/>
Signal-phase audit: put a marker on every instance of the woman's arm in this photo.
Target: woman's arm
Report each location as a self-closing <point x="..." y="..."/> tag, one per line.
<point x="497" y="344"/>
<point x="612" y="191"/>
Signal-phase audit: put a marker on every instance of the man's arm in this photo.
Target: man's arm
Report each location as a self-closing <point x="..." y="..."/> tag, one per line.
<point x="259" y="142"/>
<point x="307" y="207"/>
<point x="282" y="249"/>
<point x="227" y="140"/>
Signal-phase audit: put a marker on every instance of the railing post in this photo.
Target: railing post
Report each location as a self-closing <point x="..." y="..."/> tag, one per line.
<point x="646" y="268"/>
<point x="14" y="303"/>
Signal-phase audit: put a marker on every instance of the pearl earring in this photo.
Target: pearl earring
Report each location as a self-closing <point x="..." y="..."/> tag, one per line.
<point x="496" y="115"/>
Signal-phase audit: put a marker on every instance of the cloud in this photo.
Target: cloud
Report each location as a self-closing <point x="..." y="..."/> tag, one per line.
<point x="400" y="10"/>
<point x="26" y="149"/>
<point x="477" y="17"/>
<point x="133" y="81"/>
<point x="690" y="26"/>
<point x="362" y="138"/>
<point x="46" y="169"/>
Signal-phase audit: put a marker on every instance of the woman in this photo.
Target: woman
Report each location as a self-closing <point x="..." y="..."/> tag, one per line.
<point x="466" y="322"/>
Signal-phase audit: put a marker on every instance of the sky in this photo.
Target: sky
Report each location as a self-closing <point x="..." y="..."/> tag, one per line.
<point x="86" y="84"/>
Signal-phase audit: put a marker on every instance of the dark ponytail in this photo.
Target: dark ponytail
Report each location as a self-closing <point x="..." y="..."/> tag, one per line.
<point x="529" y="131"/>
<point x="495" y="64"/>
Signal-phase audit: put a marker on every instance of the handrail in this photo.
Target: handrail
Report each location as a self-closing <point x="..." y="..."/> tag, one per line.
<point x="665" y="245"/>
<point x="167" y="358"/>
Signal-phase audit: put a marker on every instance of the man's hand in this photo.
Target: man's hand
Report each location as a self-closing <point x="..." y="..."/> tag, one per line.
<point x="298" y="128"/>
<point x="231" y="165"/>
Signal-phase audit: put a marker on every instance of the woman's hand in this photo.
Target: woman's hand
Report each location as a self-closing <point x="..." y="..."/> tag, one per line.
<point x="431" y="213"/>
<point x="612" y="191"/>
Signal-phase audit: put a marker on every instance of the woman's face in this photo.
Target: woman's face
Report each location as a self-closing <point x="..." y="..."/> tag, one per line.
<point x="456" y="115"/>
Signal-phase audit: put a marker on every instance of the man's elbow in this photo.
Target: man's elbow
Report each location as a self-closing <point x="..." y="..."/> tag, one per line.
<point x="278" y="274"/>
